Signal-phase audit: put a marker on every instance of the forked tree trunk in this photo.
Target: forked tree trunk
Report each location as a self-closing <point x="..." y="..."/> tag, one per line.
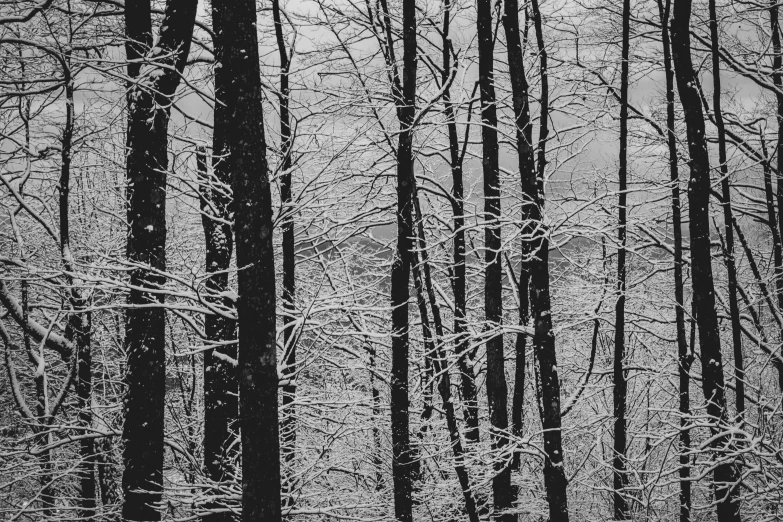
<point x="701" y="263"/>
<point x="149" y="105"/>
<point x="684" y="356"/>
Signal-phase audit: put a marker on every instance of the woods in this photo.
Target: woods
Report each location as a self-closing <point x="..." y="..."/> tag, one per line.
<point x="400" y="260"/>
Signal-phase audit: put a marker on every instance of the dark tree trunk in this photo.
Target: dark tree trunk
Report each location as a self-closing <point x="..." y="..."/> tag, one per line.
<point x="619" y="376"/>
<point x="149" y="106"/>
<point x="527" y="173"/>
<point x="544" y="337"/>
<point x="725" y="473"/>
<point x="684" y="356"/>
<point x="258" y="379"/>
<point x="220" y="380"/>
<point x="739" y="367"/>
<point x="405" y="97"/>
<point x="288" y="420"/>
<point x="429" y="352"/>
<point x="80" y="324"/>
<point x="458" y="278"/>
<point x="82" y="329"/>
<point x="493" y="290"/>
<point x="777" y="248"/>
<point x="777" y="78"/>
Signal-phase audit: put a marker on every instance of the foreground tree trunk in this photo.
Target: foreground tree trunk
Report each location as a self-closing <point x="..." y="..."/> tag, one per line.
<point x="619" y="377"/>
<point x="684" y="356"/>
<point x="527" y="173"/>
<point x="149" y="105"/>
<point x="258" y="378"/>
<point x="544" y="336"/>
<point x="493" y="288"/>
<point x="405" y="98"/>
<point x="703" y="287"/>
<point x="221" y="406"/>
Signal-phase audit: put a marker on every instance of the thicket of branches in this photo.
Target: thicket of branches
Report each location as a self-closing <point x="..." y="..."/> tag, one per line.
<point x="391" y="260"/>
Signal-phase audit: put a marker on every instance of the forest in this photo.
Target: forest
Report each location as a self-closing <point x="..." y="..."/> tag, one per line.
<point x="391" y="260"/>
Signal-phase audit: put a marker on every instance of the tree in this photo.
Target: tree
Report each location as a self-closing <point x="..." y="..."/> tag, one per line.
<point x="493" y="298"/>
<point x="404" y="94"/>
<point x="258" y="377"/>
<point x="619" y="374"/>
<point x="701" y="264"/>
<point x="684" y="355"/>
<point x="149" y="107"/>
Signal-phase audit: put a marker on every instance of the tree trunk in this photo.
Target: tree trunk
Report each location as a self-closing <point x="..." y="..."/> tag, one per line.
<point x="149" y="106"/>
<point x="82" y="330"/>
<point x="258" y="378"/>
<point x="288" y="420"/>
<point x="619" y="376"/>
<point x="220" y="380"/>
<point x="527" y="173"/>
<point x="402" y="463"/>
<point x="703" y="287"/>
<point x="777" y="78"/>
<point x="458" y="278"/>
<point x="79" y="323"/>
<point x="739" y="367"/>
<point x="684" y="356"/>
<point x="493" y="289"/>
<point x="544" y="337"/>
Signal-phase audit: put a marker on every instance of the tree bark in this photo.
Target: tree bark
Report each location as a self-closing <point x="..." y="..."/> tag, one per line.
<point x="739" y="366"/>
<point x="555" y="480"/>
<point x="258" y="378"/>
<point x="80" y="323"/>
<point x="458" y="278"/>
<point x="493" y="289"/>
<point x="149" y="106"/>
<point x="619" y="377"/>
<point x="288" y="420"/>
<point x="221" y="406"/>
<point x="405" y="99"/>
<point x="703" y="286"/>
<point x="777" y="79"/>
<point x="684" y="356"/>
<point x="527" y="173"/>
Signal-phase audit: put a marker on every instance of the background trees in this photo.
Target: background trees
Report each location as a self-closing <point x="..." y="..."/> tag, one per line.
<point x="355" y="149"/>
